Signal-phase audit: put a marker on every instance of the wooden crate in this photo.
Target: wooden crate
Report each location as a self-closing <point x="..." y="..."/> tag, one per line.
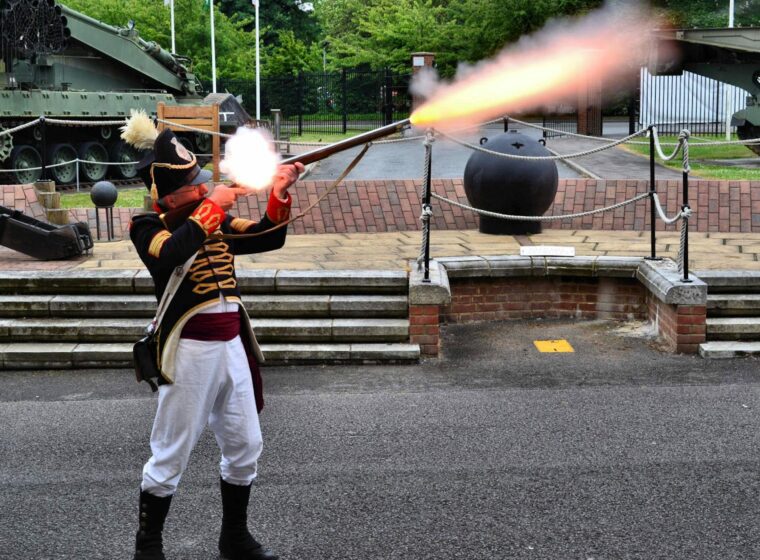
<point x="203" y="117"/>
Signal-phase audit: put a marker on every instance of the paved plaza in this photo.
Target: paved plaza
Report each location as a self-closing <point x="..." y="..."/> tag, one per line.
<point x="392" y="250"/>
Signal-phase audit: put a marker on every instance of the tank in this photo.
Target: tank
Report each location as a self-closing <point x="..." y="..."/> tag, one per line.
<point x="730" y="55"/>
<point x="60" y="63"/>
<point x="511" y="186"/>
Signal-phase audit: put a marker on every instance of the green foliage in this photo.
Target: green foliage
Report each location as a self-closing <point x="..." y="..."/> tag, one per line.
<point x="235" y="39"/>
<point x="708" y="13"/>
<point x="289" y="55"/>
<point x="383" y="33"/>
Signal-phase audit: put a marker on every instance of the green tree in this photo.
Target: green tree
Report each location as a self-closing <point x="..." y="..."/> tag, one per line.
<point x="289" y="55"/>
<point x="385" y="32"/>
<point x="708" y="13"/>
<point x="193" y="35"/>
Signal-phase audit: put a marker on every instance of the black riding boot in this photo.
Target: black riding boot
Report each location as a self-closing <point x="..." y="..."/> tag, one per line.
<point x="235" y="542"/>
<point x="148" y="543"/>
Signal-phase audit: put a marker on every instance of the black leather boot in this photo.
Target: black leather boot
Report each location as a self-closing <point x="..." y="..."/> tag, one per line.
<point x="235" y="542"/>
<point x="148" y="543"/>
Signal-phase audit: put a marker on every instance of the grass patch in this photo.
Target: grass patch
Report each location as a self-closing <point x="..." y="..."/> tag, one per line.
<point x="697" y="156"/>
<point x="128" y="198"/>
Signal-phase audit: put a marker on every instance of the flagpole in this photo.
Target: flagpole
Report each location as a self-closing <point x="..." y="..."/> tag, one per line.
<point x="213" y="49"/>
<point x="728" y="102"/>
<point x="258" y="88"/>
<point x="171" y="11"/>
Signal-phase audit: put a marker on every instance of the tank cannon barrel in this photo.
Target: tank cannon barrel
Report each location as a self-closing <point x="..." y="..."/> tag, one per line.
<point x="160" y="54"/>
<point x="342" y="145"/>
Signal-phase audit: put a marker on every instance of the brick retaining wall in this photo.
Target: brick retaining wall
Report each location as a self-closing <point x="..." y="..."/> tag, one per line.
<point x="476" y="289"/>
<point x="487" y="299"/>
<point x="682" y="327"/>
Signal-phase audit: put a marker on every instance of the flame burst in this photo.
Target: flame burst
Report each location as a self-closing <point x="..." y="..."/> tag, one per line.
<point x="250" y="159"/>
<point x="544" y="69"/>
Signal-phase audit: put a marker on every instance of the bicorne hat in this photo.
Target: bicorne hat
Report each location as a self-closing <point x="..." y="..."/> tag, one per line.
<point x="166" y="164"/>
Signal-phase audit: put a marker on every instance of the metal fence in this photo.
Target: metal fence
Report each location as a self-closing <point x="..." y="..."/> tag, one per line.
<point x="338" y="102"/>
<point x="698" y="103"/>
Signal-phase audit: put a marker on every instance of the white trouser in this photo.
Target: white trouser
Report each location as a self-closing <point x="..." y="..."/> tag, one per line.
<point x="212" y="385"/>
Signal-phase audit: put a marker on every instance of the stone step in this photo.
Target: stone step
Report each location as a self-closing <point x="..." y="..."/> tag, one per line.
<point x="250" y="281"/>
<point x="729" y="349"/>
<point x="258" y="305"/>
<point x="60" y="355"/>
<point x="730" y="281"/>
<point x="269" y="330"/>
<point x="732" y="305"/>
<point x="733" y="328"/>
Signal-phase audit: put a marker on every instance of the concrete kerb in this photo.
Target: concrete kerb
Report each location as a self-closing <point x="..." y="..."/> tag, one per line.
<point x="663" y="280"/>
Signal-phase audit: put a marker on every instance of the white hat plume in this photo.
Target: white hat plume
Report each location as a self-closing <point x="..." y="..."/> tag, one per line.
<point x="139" y="131"/>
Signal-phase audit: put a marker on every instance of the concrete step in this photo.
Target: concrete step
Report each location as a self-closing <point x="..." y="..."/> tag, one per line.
<point x="729" y="349"/>
<point x="733" y="305"/>
<point x="274" y="330"/>
<point x="258" y="305"/>
<point x="733" y="328"/>
<point x="52" y="355"/>
<point x="250" y="282"/>
<point x="730" y="281"/>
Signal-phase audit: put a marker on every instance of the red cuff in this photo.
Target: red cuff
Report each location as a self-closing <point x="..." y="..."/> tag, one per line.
<point x="209" y="216"/>
<point x="278" y="211"/>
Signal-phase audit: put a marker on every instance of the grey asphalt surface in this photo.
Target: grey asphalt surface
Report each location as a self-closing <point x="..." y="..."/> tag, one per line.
<point x="616" y="451"/>
<point x="400" y="160"/>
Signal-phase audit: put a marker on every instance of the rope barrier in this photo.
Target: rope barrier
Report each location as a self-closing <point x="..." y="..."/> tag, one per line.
<point x="539" y="158"/>
<point x="681" y="139"/>
<point x="540" y="218"/>
<point x="77" y="160"/>
<point x="19" y="127"/>
<point x="70" y="122"/>
<point x="686" y="212"/>
<point x="563" y="132"/>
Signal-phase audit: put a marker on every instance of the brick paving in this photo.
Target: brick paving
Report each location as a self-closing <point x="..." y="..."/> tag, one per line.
<point x="375" y="224"/>
<point x="394" y="205"/>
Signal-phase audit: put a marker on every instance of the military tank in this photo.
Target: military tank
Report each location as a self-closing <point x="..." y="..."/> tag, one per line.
<point x="730" y="55"/>
<point x="61" y="64"/>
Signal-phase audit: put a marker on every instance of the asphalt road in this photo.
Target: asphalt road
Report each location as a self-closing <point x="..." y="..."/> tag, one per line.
<point x="399" y="160"/>
<point x="616" y="451"/>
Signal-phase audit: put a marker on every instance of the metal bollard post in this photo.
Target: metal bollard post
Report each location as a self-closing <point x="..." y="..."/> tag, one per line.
<point x="652" y="193"/>
<point x="506" y="124"/>
<point x="685" y="225"/>
<point x="276" y="124"/>
<point x="426" y="208"/>
<point x="43" y="132"/>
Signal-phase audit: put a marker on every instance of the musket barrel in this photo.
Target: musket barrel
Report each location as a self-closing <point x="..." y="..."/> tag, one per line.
<point x="358" y="140"/>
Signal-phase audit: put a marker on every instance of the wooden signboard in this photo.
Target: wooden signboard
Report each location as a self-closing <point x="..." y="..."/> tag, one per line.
<point x="204" y="117"/>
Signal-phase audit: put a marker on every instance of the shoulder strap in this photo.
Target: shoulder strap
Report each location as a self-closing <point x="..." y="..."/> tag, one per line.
<point x="171" y="288"/>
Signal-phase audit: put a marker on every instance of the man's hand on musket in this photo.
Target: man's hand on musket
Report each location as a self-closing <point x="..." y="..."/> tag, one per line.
<point x="226" y="196"/>
<point x="286" y="175"/>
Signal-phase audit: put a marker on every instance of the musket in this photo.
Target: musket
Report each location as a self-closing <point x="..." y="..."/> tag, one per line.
<point x="326" y="151"/>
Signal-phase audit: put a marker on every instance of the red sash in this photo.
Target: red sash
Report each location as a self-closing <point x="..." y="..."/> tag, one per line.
<point x="212" y="326"/>
<point x="224" y="326"/>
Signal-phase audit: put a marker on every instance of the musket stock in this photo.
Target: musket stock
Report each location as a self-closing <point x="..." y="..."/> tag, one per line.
<point x="358" y="140"/>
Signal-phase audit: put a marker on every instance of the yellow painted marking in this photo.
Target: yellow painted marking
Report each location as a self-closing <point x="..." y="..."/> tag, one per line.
<point x="560" y="345"/>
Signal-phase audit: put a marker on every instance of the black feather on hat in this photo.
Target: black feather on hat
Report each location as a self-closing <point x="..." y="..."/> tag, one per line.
<point x="167" y="165"/>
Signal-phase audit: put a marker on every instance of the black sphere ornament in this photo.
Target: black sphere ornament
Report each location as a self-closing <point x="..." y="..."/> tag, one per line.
<point x="511" y="186"/>
<point x="103" y="194"/>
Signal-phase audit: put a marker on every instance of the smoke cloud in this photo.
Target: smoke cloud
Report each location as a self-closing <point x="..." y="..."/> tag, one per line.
<point x="546" y="67"/>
